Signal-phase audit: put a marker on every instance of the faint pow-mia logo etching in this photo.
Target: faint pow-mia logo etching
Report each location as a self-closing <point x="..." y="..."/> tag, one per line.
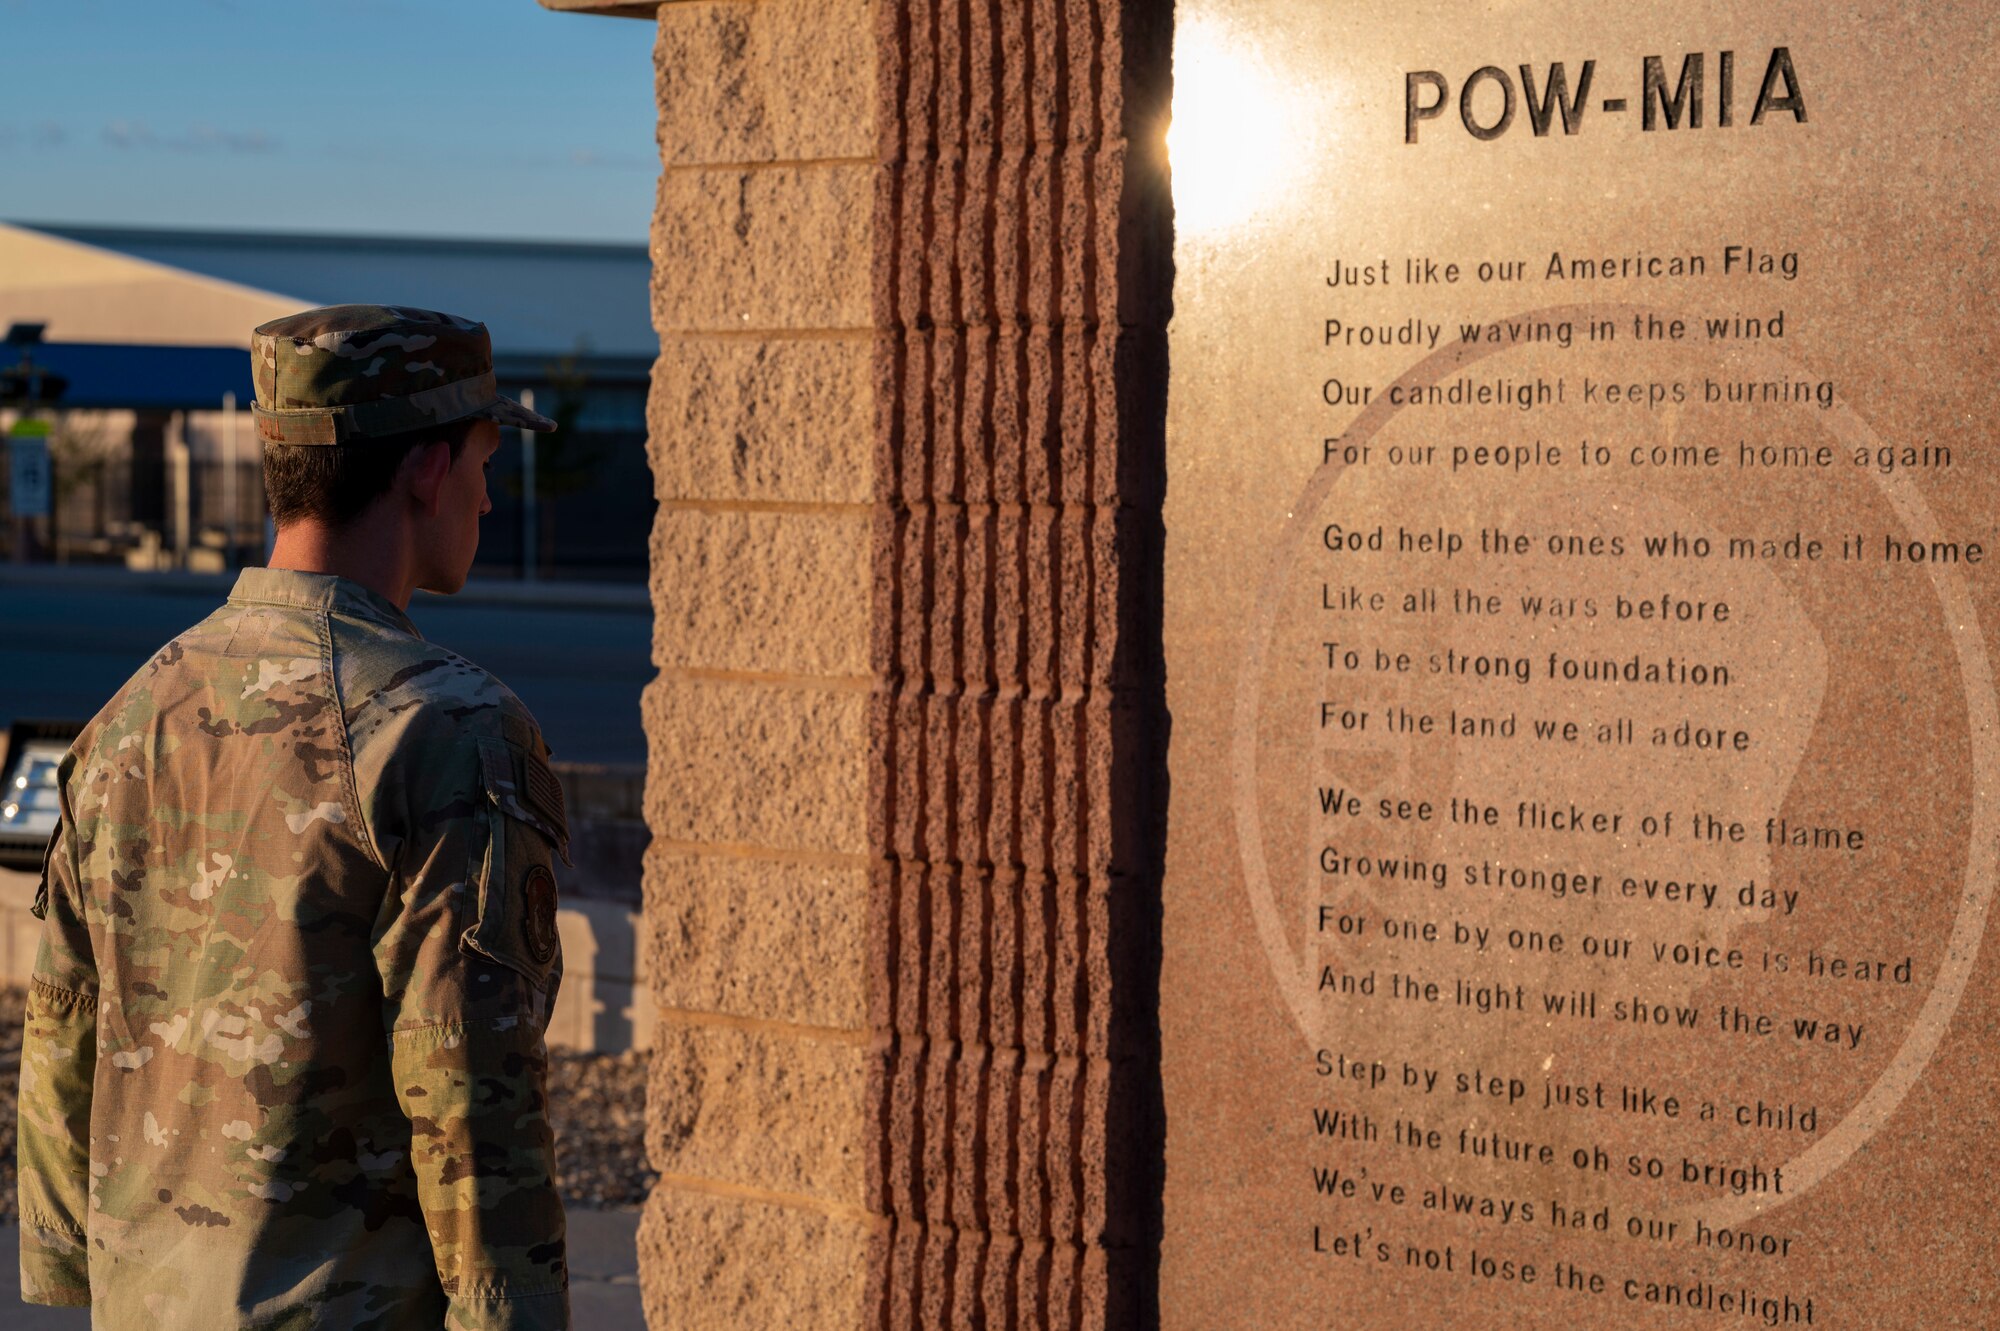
<point x="1302" y="929"/>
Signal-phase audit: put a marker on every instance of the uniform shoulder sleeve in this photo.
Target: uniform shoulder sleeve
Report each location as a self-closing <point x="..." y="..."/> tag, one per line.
<point x="422" y="722"/>
<point x="453" y="784"/>
<point x="58" y="1067"/>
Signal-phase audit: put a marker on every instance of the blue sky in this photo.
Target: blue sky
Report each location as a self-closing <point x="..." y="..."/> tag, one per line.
<point x="491" y="118"/>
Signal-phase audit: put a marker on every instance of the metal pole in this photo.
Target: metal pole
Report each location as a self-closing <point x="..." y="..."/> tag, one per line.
<point x="530" y="522"/>
<point x="24" y="527"/>
<point x="180" y="487"/>
<point x="229" y="480"/>
<point x="20" y="522"/>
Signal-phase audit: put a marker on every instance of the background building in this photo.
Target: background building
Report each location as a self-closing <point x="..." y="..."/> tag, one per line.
<point x="152" y="329"/>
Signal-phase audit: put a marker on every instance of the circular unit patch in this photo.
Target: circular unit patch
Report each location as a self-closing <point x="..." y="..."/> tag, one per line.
<point x="538" y="920"/>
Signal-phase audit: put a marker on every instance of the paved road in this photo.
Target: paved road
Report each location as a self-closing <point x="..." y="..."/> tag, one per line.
<point x="578" y="656"/>
<point x="603" y="1278"/>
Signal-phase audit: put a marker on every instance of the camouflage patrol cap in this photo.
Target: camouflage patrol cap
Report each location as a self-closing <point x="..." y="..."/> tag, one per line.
<point x="345" y="373"/>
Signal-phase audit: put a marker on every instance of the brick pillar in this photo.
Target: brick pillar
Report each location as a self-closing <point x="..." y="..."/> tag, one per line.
<point x="1017" y="727"/>
<point x="761" y="439"/>
<point x="912" y="264"/>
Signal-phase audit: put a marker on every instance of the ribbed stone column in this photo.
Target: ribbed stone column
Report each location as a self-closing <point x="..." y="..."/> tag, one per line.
<point x="906" y="789"/>
<point x="1017" y="727"/>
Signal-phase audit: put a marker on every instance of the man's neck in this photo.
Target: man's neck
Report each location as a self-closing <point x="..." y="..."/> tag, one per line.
<point x="372" y="553"/>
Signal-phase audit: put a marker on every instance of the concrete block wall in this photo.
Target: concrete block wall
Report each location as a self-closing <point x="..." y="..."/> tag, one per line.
<point x="20" y="931"/>
<point x="762" y="439"/>
<point x="604" y="1006"/>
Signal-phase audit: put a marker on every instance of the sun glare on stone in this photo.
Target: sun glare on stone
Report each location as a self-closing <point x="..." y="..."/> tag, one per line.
<point x="1228" y="141"/>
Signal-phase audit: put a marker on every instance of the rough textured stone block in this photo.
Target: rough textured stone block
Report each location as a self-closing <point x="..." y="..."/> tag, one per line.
<point x="782" y="593"/>
<point x="775" y="939"/>
<point x="782" y="248"/>
<point x="709" y="1263"/>
<point x="756" y="765"/>
<point x="790" y="421"/>
<point x="772" y="1111"/>
<point x="773" y="80"/>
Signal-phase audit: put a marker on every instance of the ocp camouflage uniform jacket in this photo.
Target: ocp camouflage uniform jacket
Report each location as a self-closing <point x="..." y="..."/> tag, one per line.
<point x="284" y="1063"/>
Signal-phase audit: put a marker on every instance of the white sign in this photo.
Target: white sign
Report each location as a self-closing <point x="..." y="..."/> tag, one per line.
<point x="31" y="479"/>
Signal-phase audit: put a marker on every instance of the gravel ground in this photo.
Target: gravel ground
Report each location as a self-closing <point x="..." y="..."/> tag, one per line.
<point x="598" y="1102"/>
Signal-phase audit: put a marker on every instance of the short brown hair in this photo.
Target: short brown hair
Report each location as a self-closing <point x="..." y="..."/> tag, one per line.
<point x="335" y="485"/>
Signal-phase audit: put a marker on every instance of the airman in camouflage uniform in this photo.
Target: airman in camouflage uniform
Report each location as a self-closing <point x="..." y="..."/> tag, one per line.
<point x="284" y="1064"/>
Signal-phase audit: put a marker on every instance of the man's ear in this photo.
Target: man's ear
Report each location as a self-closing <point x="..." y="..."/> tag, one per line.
<point x="426" y="468"/>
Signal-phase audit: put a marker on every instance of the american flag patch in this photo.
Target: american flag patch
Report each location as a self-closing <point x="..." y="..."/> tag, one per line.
<point x="546" y="794"/>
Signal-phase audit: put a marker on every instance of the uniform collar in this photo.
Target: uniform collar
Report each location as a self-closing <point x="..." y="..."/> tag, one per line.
<point x="318" y="591"/>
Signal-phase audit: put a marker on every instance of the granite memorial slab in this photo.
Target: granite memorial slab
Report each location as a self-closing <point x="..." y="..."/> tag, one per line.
<point x="1580" y="627"/>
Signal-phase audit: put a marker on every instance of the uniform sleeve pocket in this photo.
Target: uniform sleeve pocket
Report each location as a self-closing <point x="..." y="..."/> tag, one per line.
<point x="40" y="910"/>
<point x="516" y="924"/>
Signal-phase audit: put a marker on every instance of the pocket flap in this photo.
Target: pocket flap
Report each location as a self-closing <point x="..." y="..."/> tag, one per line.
<point x="40" y="910"/>
<point x="516" y="879"/>
<point x="525" y="787"/>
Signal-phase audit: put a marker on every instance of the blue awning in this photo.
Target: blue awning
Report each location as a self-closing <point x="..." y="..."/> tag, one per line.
<point x="109" y="376"/>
